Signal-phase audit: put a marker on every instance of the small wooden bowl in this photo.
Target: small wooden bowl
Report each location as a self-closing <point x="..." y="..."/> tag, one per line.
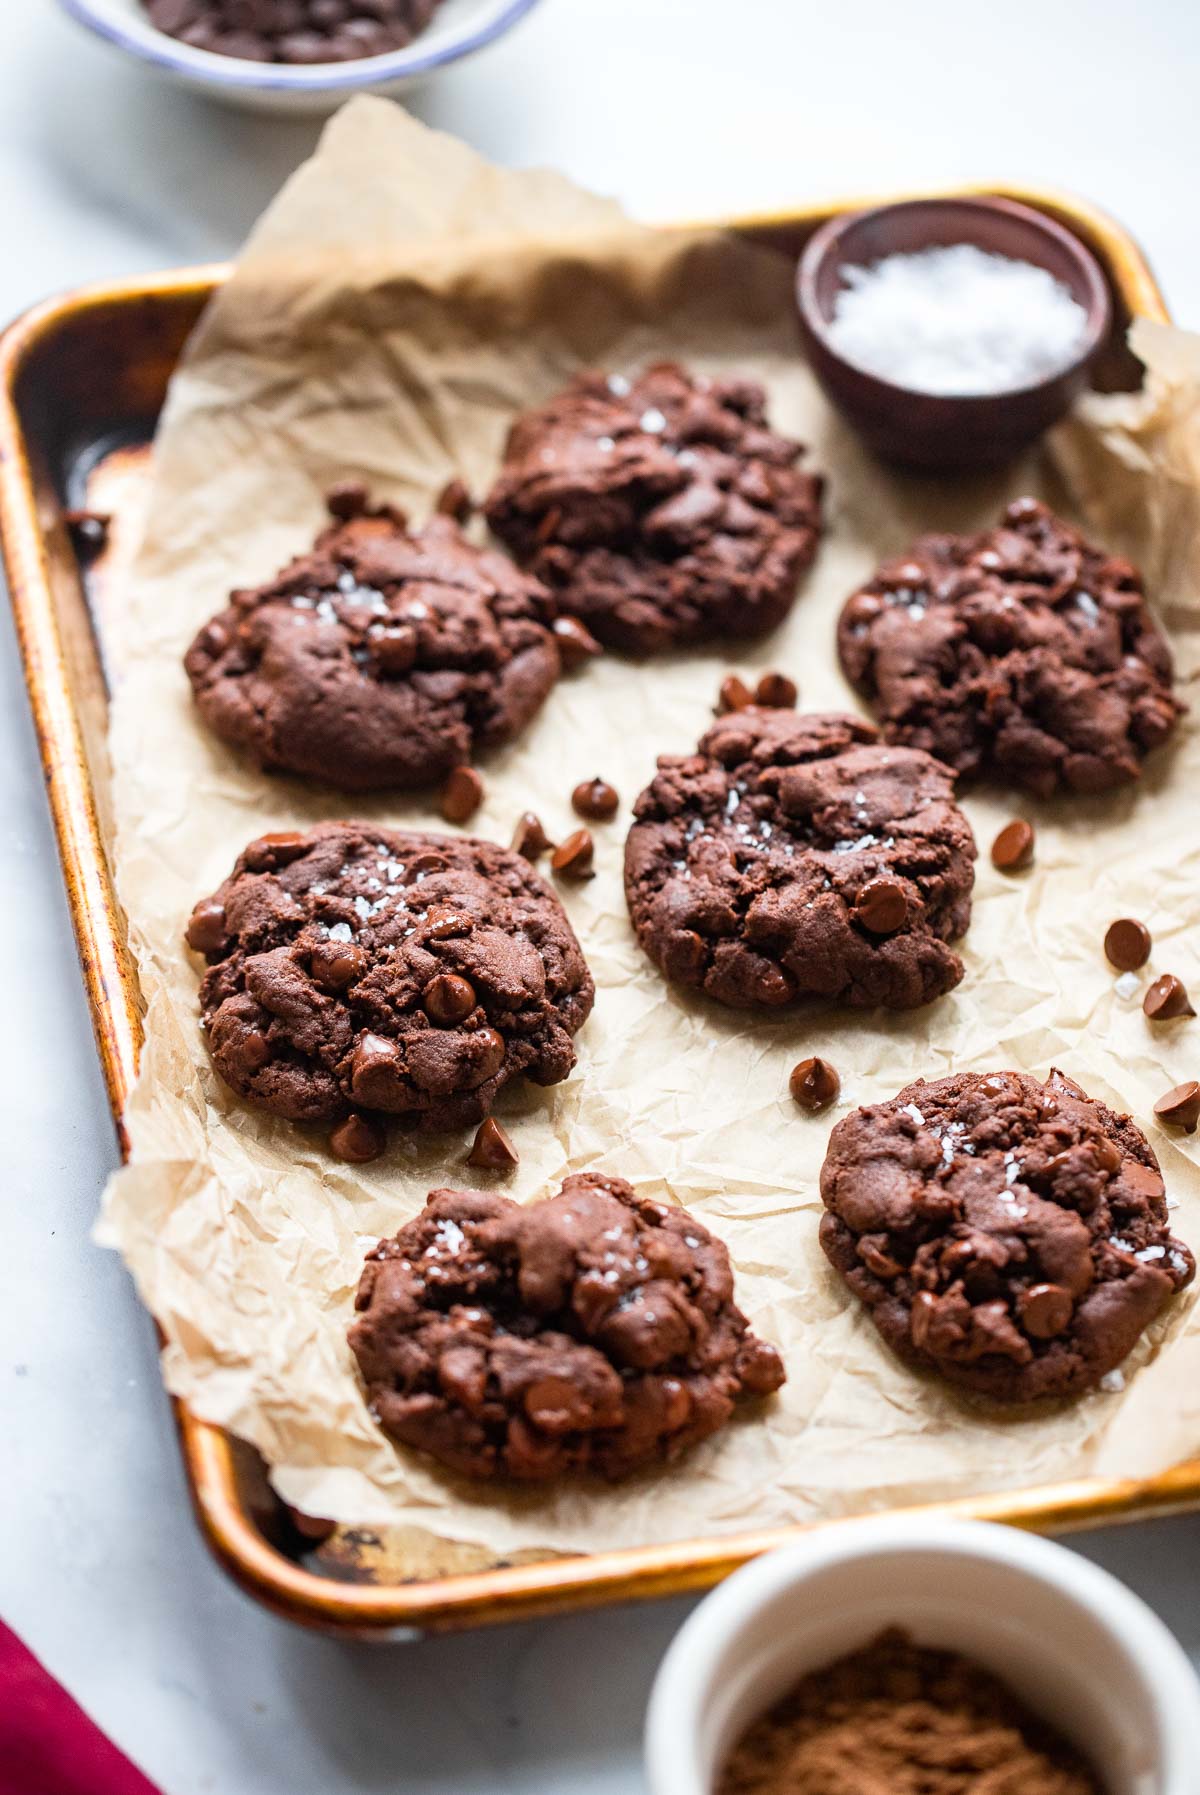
<point x="935" y="431"/>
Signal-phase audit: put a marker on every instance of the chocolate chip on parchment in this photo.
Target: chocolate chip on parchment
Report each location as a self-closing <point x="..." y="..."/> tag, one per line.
<point x="881" y="906"/>
<point x="529" y="838"/>
<point x="1166" y="999"/>
<point x="492" y="1149"/>
<point x="1180" y="1106"/>
<point x="572" y="859"/>
<point x="734" y="695"/>
<point x="88" y="531"/>
<point x="1012" y="849"/>
<point x="357" y="1140"/>
<point x="776" y="691"/>
<point x="1127" y="944"/>
<point x="349" y="498"/>
<point x="462" y="795"/>
<point x="595" y="800"/>
<point x="576" y="644"/>
<point x="814" y="1084"/>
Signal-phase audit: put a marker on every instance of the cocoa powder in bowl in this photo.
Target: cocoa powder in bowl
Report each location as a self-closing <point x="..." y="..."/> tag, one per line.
<point x="895" y="1718"/>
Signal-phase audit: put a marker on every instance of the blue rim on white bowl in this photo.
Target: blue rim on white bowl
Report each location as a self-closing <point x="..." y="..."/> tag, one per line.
<point x="458" y="29"/>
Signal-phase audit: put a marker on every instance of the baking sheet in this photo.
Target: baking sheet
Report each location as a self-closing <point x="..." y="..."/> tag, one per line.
<point x="398" y="303"/>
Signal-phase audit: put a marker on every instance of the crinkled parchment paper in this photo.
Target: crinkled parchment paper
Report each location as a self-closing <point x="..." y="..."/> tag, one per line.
<point x="399" y="302"/>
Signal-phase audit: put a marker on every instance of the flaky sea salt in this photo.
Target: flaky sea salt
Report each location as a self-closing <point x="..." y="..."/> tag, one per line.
<point x="956" y="320"/>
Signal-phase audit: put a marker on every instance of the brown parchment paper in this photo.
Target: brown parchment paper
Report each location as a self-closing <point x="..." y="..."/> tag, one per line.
<point x="398" y="303"/>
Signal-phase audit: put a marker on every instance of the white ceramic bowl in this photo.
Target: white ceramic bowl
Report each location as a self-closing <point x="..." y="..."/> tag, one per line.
<point x="459" y="28"/>
<point x="1074" y="1644"/>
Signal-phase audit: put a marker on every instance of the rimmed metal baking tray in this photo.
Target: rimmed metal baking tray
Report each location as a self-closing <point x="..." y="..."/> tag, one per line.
<point x="82" y="380"/>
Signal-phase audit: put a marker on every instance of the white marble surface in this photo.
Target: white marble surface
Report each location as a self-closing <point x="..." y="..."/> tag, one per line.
<point x="682" y="107"/>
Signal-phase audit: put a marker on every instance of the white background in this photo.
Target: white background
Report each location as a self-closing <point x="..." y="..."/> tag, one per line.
<point x="682" y="108"/>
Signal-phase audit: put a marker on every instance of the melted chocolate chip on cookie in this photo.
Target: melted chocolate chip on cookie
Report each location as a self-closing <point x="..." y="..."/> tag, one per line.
<point x="1009" y="1234"/>
<point x="593" y="1331"/>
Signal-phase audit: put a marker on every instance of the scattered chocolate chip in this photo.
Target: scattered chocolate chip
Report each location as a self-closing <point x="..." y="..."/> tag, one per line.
<point x="206" y="928"/>
<point x="734" y="695"/>
<point x="349" y="498"/>
<point x="455" y="501"/>
<point x="449" y="999"/>
<point x="881" y="906"/>
<point x="462" y="795"/>
<point x="493" y="1151"/>
<point x="1127" y="944"/>
<point x="814" y="1084"/>
<point x="1045" y="1310"/>
<point x="576" y="644"/>
<point x="529" y="838"/>
<point x="1166" y="999"/>
<point x="1012" y="849"/>
<point x="357" y="1140"/>
<point x="336" y="964"/>
<point x="1180" y="1107"/>
<point x="596" y="800"/>
<point x="572" y="859"/>
<point x="88" y="531"/>
<point x="776" y="691"/>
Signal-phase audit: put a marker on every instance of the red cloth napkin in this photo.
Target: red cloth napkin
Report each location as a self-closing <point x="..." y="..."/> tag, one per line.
<point x="48" y="1746"/>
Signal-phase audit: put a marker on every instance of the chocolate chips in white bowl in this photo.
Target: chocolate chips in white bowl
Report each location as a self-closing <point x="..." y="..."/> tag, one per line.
<point x="293" y="31"/>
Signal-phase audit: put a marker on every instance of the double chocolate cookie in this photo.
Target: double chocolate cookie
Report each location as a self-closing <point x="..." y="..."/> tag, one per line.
<point x="368" y="968"/>
<point x="1009" y="1234"/>
<point x="380" y="658"/>
<point x="593" y="1331"/>
<point x="1024" y="654"/>
<point x="792" y="856"/>
<point x="662" y="510"/>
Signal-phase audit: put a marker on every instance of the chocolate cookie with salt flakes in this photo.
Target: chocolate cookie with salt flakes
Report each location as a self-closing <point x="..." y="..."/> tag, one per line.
<point x="662" y="511"/>
<point x="794" y="857"/>
<point x="382" y="658"/>
<point x="362" y="968"/>
<point x="1023" y="654"/>
<point x="1010" y="1234"/>
<point x="592" y="1331"/>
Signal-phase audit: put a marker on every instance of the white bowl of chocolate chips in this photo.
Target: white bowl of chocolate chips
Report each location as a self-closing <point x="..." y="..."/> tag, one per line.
<point x="298" y="56"/>
<point x="905" y="1654"/>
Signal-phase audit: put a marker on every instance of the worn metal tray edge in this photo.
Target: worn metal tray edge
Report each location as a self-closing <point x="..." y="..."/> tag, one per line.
<point x="509" y="1592"/>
